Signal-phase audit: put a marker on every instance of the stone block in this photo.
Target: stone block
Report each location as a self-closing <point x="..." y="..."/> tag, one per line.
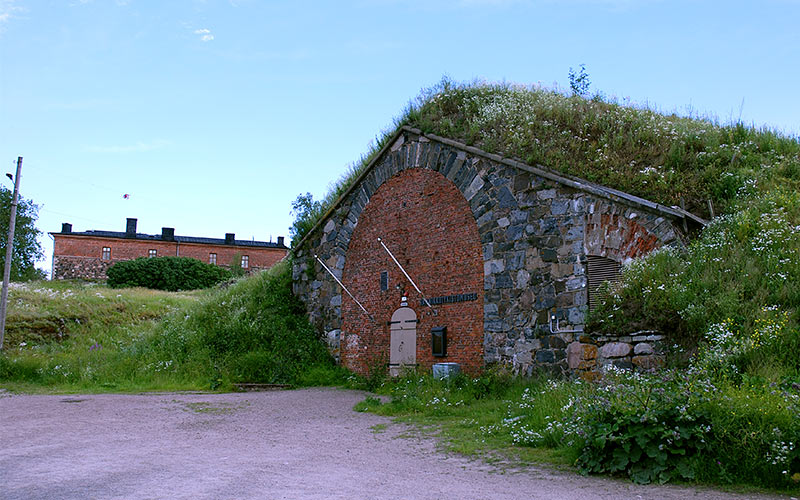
<point x="523" y="277"/>
<point x="505" y="199"/>
<point x="494" y="266"/>
<point x="473" y="188"/>
<point x="576" y="316"/>
<point x="493" y="325"/>
<point x="615" y="350"/>
<point x="545" y="356"/>
<point x="581" y="356"/>
<point x="519" y="216"/>
<point x="548" y="255"/>
<point x="576" y="283"/>
<point x="574" y="233"/>
<point x="488" y="251"/>
<point x="643" y="348"/>
<point x="559" y="207"/>
<point x="515" y="260"/>
<point x="486" y="217"/>
<point x="515" y="232"/>
<point x="651" y="362"/>
<point x="546" y="194"/>
<point x="503" y="280"/>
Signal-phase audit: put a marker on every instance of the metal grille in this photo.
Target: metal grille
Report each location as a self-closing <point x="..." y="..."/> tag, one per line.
<point x="599" y="270"/>
<point x="384" y="281"/>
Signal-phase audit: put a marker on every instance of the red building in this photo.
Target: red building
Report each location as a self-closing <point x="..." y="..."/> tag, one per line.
<point x="89" y="254"/>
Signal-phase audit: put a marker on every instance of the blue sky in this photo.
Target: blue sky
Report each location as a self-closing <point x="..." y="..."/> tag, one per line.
<point x="214" y="115"/>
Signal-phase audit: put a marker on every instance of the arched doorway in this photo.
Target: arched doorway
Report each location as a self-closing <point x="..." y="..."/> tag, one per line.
<point x="402" y="340"/>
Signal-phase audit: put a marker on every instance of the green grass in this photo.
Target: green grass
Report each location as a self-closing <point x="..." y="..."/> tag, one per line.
<point x="122" y="340"/>
<point x="734" y="432"/>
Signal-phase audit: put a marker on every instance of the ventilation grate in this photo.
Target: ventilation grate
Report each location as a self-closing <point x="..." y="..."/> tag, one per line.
<point x="599" y="270"/>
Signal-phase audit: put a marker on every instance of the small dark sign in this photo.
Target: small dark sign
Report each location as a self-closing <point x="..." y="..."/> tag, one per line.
<point x="450" y="299"/>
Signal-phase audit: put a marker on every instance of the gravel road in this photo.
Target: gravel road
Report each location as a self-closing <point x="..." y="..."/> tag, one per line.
<point x="302" y="444"/>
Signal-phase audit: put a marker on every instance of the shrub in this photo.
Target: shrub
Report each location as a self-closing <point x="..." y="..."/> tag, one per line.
<point x="253" y="331"/>
<point x="646" y="427"/>
<point x="166" y="273"/>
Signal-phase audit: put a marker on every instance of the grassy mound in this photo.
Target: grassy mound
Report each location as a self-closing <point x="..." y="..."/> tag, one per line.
<point x="135" y="339"/>
<point x="657" y="156"/>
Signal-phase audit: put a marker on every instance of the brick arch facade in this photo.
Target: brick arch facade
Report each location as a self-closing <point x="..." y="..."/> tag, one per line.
<point x="427" y="224"/>
<point x="535" y="230"/>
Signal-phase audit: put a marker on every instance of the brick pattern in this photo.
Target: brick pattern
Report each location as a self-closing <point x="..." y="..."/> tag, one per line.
<point x="80" y="256"/>
<point x="426" y="223"/>
<point x="535" y="234"/>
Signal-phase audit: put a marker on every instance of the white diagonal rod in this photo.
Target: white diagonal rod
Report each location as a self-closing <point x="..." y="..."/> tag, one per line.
<point x="344" y="288"/>
<point x="406" y="274"/>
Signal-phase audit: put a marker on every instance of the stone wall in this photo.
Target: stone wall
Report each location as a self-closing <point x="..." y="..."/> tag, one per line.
<point x="535" y="232"/>
<point x="90" y="268"/>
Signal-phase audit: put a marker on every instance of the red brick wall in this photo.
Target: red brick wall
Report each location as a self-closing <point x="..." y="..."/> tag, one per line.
<point x="78" y="247"/>
<point x="260" y="258"/>
<point x="121" y="249"/>
<point x="428" y="225"/>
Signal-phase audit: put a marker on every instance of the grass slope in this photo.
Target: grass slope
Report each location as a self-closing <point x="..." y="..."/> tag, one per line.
<point x="69" y="337"/>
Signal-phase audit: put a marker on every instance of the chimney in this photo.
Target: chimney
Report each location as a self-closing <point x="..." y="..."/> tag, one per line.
<point x="130" y="228"/>
<point x="280" y="241"/>
<point x="167" y="233"/>
<point x="229" y="238"/>
<point x="66" y="227"/>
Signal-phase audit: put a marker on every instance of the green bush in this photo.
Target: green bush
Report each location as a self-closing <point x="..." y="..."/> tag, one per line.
<point x="166" y="273"/>
<point x="646" y="427"/>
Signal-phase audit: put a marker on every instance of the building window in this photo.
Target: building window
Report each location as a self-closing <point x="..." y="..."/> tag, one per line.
<point x="245" y="261"/>
<point x="151" y="253"/>
<point x="212" y="258"/>
<point x="106" y="253"/>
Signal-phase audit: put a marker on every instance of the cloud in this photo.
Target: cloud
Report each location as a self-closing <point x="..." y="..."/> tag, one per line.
<point x="8" y="10"/>
<point x="205" y="34"/>
<point x="139" y="147"/>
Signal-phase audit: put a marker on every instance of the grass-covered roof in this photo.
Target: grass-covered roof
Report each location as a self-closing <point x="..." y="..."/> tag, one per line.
<point x="659" y="157"/>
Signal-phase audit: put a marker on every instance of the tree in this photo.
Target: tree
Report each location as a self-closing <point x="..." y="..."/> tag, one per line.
<point x="306" y="213"/>
<point x="579" y="81"/>
<point x="27" y="249"/>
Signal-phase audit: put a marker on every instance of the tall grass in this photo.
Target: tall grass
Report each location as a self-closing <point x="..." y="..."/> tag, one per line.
<point x="132" y="339"/>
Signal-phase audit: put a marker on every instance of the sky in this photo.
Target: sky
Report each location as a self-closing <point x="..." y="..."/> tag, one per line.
<point x="213" y="115"/>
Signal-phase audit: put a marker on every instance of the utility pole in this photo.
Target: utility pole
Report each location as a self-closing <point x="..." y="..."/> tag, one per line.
<point x="9" y="253"/>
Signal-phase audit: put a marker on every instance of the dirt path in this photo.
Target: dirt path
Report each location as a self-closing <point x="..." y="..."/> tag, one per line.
<point x="304" y="444"/>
